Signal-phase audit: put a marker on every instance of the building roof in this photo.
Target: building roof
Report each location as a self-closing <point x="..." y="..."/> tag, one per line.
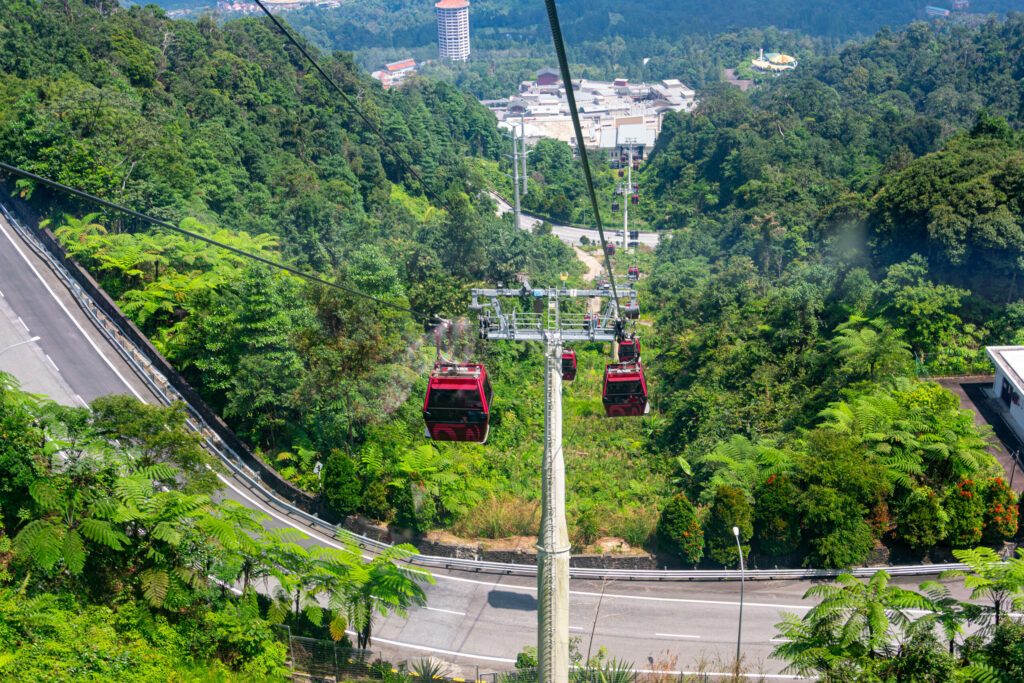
<point x="398" y="66"/>
<point x="452" y="4"/>
<point x="1009" y="359"/>
<point x="549" y="72"/>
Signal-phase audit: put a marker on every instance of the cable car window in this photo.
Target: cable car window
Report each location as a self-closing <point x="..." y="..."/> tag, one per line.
<point x="624" y="389"/>
<point x="487" y="390"/>
<point x="458" y="399"/>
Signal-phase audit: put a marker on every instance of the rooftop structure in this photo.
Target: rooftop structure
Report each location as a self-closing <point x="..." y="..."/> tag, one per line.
<point x="1008" y="387"/>
<point x="395" y="73"/>
<point x="774" y="62"/>
<point x="932" y="11"/>
<point x="610" y="112"/>
<point x="453" y="29"/>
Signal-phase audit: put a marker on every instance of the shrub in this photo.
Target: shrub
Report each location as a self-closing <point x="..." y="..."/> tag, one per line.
<point x="776" y="521"/>
<point x="375" y="501"/>
<point x="921" y="520"/>
<point x="1000" y="511"/>
<point x="965" y="509"/>
<point x="731" y="509"/>
<point x="342" y="487"/>
<point x="839" y="535"/>
<point x="680" y="531"/>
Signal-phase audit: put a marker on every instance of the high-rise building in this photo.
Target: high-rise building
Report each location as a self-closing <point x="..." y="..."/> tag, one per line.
<point x="453" y="29"/>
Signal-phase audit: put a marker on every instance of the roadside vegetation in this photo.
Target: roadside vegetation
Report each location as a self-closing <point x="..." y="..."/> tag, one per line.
<point x="875" y="630"/>
<point x="117" y="563"/>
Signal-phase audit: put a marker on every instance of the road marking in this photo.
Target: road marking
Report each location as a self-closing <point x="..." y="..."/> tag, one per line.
<point x="81" y="400"/>
<point x="780" y="640"/>
<point x="23" y="324"/>
<point x="676" y="635"/>
<point x="268" y="509"/>
<point x="51" y="362"/>
<point x="695" y="602"/>
<point x="65" y="309"/>
<point x="446" y="611"/>
<point x="577" y="628"/>
<point x="2" y="294"/>
<point x="426" y="648"/>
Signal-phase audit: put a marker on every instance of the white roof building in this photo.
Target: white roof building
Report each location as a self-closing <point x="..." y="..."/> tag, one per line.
<point x="1009" y="383"/>
<point x="604" y="107"/>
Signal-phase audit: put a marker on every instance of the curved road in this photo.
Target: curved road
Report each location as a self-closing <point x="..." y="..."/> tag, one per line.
<point x="568" y="233"/>
<point x="474" y="620"/>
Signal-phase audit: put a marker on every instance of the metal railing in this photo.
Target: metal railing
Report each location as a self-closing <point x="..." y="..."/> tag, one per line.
<point x="244" y="475"/>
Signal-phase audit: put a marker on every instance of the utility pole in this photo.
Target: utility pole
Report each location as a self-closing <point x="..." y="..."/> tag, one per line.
<point x="522" y="123"/>
<point x="629" y="190"/>
<point x="553" y="329"/>
<point x="515" y="179"/>
<point x="553" y="541"/>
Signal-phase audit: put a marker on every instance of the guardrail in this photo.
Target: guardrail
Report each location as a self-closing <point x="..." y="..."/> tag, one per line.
<point x="243" y="473"/>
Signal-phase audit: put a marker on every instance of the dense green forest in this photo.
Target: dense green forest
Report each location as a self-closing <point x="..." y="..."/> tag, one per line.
<point x="811" y="282"/>
<point x="838" y="233"/>
<point x="115" y="562"/>
<point x="690" y="40"/>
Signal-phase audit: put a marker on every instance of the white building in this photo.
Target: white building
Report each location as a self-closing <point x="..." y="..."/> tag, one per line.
<point x="614" y="115"/>
<point x="453" y="29"/>
<point x="1008" y="387"/>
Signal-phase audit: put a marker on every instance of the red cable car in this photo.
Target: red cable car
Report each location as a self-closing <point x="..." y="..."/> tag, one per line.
<point x="458" y="402"/>
<point x="629" y="350"/>
<point x="634" y="273"/>
<point x="610" y="250"/>
<point x="568" y="365"/>
<point x="636" y="199"/>
<point x="625" y="390"/>
<point x="615" y="206"/>
<point x="621" y="173"/>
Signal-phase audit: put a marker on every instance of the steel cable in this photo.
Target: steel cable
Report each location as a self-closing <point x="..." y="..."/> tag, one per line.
<point x="563" y="65"/>
<point x="352" y="104"/>
<point x="14" y="170"/>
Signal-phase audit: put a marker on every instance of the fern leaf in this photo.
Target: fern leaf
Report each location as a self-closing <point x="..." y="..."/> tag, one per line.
<point x="74" y="552"/>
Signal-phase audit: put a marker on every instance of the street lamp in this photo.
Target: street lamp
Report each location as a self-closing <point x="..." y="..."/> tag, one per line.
<point x="27" y="341"/>
<point x="739" y="632"/>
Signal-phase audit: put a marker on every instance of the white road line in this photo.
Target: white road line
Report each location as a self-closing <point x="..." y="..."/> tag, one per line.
<point x="51" y="362"/>
<point x="503" y="586"/>
<point x="2" y="294"/>
<point x="577" y="628"/>
<point x="446" y="611"/>
<point x="60" y="303"/>
<point x="23" y="324"/>
<point x="81" y="400"/>
<point x="695" y="602"/>
<point x="426" y="648"/>
<point x="780" y="640"/>
<point x="676" y="635"/>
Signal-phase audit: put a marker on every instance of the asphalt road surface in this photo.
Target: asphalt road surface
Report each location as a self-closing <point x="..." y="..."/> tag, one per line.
<point x="473" y="620"/>
<point x="571" y="235"/>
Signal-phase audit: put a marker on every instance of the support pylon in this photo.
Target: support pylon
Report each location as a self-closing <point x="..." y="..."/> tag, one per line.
<point x="553" y="542"/>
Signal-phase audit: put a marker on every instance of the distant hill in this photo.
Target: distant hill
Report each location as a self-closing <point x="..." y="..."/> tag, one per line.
<point x="407" y="23"/>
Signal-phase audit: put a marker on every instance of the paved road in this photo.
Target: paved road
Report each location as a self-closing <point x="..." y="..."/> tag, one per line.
<point x="474" y="620"/>
<point x="76" y="364"/>
<point x="571" y="235"/>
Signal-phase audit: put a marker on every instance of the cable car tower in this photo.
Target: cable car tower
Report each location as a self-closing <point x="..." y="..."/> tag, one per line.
<point x="549" y="325"/>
